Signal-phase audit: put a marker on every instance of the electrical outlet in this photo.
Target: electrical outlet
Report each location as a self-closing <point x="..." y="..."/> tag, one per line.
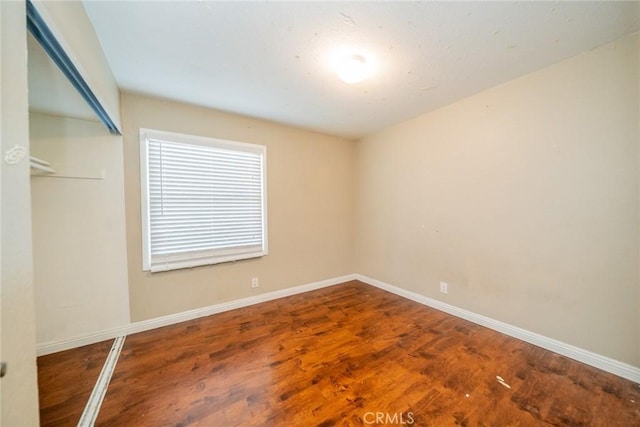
<point x="254" y="282"/>
<point x="444" y="288"/>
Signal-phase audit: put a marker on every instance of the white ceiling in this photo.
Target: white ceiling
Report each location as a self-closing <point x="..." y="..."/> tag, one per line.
<point x="271" y="60"/>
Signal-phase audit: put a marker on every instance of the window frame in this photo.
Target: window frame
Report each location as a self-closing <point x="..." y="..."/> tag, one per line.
<point x="179" y="261"/>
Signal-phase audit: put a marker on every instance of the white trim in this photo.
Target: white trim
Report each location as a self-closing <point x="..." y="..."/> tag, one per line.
<point x="581" y="355"/>
<point x="585" y="356"/>
<point x="92" y="408"/>
<point x="144" y="201"/>
<point x="145" y="325"/>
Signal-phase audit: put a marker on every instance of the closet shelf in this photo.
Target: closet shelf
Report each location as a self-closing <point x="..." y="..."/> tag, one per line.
<point x="41" y="168"/>
<point x="40" y="165"/>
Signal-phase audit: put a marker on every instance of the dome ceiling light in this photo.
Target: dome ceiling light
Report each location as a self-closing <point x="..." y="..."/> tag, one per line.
<point x="353" y="69"/>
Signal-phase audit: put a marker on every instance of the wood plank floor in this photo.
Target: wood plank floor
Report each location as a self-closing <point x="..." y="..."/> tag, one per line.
<point x="353" y="355"/>
<point x="65" y="381"/>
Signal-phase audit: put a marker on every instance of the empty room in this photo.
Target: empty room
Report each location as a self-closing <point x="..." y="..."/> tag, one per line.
<point x="243" y="213"/>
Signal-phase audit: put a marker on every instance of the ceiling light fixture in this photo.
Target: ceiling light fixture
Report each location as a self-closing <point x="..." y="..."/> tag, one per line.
<point x="353" y="69"/>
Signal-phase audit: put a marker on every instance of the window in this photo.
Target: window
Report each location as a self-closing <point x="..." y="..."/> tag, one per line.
<point x="203" y="200"/>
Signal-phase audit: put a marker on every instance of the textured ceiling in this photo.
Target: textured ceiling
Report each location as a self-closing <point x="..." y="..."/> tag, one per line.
<point x="272" y="60"/>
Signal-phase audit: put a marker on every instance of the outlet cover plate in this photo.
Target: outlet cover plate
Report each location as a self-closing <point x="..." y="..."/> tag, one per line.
<point x="444" y="288"/>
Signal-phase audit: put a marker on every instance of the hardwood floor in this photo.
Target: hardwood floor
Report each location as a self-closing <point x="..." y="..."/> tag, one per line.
<point x="65" y="381"/>
<point x="353" y="355"/>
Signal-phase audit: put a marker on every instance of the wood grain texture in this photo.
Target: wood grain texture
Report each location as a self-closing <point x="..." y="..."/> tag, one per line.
<point x="65" y="382"/>
<point x="339" y="356"/>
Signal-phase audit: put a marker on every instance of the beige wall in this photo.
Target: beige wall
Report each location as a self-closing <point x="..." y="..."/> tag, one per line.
<point x="524" y="198"/>
<point x="310" y="209"/>
<point x="18" y="389"/>
<point x="79" y="243"/>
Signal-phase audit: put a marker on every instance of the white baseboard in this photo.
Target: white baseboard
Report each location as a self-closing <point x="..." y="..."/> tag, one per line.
<point x="593" y="359"/>
<point x="585" y="356"/>
<point x="145" y="325"/>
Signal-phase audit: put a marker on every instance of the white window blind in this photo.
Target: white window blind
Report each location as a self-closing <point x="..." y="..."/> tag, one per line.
<point x="203" y="200"/>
